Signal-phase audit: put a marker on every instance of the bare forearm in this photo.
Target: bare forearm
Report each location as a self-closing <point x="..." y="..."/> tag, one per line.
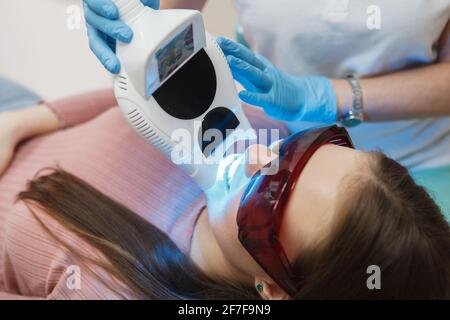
<point x="35" y="121"/>
<point x="416" y="93"/>
<point x="183" y="4"/>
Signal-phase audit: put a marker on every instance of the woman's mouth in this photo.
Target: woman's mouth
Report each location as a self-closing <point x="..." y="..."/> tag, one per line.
<point x="235" y="172"/>
<point x="226" y="171"/>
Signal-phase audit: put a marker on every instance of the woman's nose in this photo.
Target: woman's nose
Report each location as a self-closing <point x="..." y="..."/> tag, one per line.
<point x="275" y="146"/>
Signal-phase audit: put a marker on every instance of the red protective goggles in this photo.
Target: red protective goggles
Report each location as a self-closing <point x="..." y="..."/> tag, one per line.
<point x="263" y="202"/>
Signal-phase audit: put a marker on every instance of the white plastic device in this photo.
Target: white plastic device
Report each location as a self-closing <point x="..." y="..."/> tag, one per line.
<point x="175" y="85"/>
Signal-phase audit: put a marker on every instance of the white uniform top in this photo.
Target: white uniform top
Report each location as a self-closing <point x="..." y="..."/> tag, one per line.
<point x="337" y="37"/>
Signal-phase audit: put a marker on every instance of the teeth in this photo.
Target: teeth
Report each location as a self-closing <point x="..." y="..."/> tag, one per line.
<point x="224" y="169"/>
<point x="227" y="177"/>
<point x="233" y="168"/>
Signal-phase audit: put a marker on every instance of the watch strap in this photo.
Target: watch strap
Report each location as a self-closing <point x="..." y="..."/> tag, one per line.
<point x="358" y="100"/>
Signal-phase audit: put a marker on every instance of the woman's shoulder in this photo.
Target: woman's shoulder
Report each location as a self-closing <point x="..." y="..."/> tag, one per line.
<point x="37" y="262"/>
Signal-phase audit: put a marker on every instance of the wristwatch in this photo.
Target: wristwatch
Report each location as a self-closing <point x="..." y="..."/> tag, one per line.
<point x="355" y="116"/>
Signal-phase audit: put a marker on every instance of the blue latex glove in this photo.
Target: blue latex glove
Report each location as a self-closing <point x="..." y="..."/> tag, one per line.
<point x="104" y="28"/>
<point x="282" y="96"/>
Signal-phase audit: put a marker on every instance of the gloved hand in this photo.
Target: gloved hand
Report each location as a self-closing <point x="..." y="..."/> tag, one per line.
<point x="282" y="96"/>
<point x="104" y="28"/>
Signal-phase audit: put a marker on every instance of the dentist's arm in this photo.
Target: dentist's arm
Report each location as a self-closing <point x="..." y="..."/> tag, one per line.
<point x="410" y="94"/>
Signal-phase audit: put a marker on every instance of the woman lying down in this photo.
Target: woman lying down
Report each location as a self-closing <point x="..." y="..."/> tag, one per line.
<point x="94" y="212"/>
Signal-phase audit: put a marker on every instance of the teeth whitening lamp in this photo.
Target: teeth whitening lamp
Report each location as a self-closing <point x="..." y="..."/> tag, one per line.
<point x="175" y="82"/>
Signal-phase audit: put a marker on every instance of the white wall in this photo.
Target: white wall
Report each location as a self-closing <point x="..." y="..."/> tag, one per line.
<point x="40" y="51"/>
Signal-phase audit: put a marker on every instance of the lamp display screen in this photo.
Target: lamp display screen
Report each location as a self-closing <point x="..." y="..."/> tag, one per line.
<point x="175" y="53"/>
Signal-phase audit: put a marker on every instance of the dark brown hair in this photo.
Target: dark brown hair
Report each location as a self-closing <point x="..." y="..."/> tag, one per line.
<point x="390" y="222"/>
<point x="138" y="254"/>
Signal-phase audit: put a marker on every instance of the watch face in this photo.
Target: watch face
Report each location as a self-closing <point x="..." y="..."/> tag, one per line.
<point x="351" y="120"/>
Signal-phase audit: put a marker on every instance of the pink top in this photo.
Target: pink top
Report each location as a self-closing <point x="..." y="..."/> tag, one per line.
<point x="99" y="147"/>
